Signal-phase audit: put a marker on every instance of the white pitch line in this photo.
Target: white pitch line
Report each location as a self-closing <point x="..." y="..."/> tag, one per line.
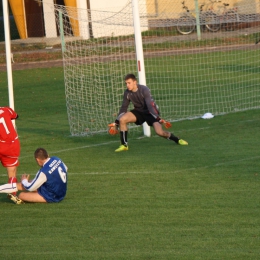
<point x="151" y="172"/>
<point x="240" y="160"/>
<point x="100" y="144"/>
<point x="209" y="127"/>
<point x="74" y="148"/>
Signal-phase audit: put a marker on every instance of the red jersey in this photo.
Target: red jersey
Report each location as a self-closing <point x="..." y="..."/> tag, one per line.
<point x="7" y="131"/>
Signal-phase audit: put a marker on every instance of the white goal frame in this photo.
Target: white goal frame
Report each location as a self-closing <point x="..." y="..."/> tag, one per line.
<point x="189" y="75"/>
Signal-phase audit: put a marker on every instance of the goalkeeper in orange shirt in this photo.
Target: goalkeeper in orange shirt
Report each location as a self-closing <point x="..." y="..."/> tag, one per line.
<point x="145" y="110"/>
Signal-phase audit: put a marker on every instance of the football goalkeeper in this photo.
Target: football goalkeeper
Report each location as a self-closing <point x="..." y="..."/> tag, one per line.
<point x="145" y="110"/>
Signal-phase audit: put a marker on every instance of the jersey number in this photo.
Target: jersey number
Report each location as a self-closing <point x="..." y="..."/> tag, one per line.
<point x="62" y="174"/>
<point x="2" y="121"/>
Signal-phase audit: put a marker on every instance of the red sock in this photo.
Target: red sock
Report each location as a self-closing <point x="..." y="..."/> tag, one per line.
<point x="12" y="180"/>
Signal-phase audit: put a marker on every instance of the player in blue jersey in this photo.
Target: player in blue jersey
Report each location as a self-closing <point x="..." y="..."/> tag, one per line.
<point x="145" y="110"/>
<point x="49" y="184"/>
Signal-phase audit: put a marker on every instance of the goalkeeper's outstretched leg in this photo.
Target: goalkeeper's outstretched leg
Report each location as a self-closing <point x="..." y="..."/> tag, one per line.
<point x="159" y="131"/>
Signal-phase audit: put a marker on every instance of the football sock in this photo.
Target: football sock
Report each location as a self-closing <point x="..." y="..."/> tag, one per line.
<point x="173" y="138"/>
<point x="123" y="137"/>
<point x="8" y="188"/>
<point x="12" y="180"/>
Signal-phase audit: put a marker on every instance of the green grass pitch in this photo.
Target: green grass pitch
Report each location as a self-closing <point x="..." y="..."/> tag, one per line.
<point x="156" y="201"/>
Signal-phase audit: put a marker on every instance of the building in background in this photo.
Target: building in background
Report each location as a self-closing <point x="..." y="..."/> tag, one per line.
<point x="37" y="18"/>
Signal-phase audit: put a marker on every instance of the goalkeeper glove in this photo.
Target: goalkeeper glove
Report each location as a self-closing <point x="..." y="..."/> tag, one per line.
<point x="165" y="123"/>
<point x="113" y="128"/>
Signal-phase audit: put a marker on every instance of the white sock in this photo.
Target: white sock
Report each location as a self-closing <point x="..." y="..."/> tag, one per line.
<point x="8" y="188"/>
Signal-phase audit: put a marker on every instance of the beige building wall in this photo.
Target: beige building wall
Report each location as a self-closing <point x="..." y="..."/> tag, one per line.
<point x="149" y="10"/>
<point x="175" y="7"/>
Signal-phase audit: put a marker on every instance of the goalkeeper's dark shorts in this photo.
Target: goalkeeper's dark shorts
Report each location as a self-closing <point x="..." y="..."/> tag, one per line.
<point x="143" y="117"/>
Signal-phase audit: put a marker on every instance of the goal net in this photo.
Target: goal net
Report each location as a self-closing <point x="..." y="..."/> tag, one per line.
<point x="213" y="67"/>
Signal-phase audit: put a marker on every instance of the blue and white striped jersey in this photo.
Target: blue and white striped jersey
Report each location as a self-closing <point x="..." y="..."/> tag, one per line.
<point x="50" y="181"/>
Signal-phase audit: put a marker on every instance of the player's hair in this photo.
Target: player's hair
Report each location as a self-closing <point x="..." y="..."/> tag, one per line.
<point x="130" y="76"/>
<point x="41" y="153"/>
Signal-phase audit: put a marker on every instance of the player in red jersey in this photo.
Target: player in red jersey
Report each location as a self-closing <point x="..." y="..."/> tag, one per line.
<point x="9" y="143"/>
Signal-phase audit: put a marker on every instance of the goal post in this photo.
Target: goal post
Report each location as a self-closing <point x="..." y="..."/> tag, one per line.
<point x="188" y="77"/>
<point x="139" y="54"/>
<point x="8" y="56"/>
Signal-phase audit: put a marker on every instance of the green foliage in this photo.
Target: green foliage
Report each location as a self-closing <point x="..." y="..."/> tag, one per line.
<point x="156" y="201"/>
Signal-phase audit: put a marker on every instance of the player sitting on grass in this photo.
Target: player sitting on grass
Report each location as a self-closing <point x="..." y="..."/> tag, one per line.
<point x="145" y="110"/>
<point x="49" y="184"/>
